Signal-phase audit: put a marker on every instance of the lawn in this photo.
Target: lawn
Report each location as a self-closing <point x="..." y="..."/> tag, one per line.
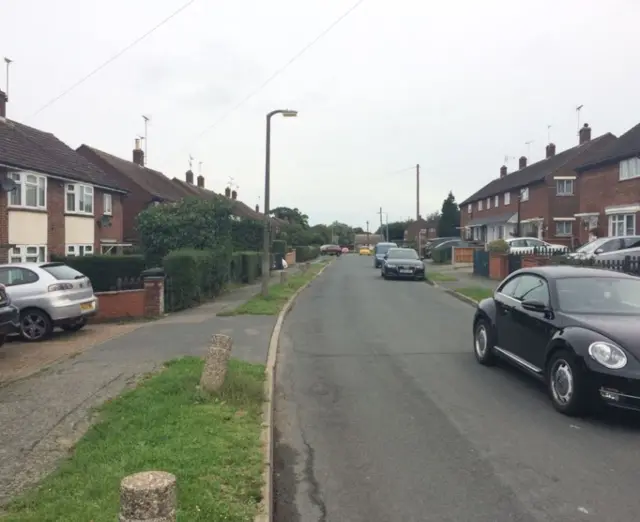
<point x="279" y="294"/>
<point x="477" y="293"/>
<point x="210" y="442"/>
<point x="440" y="277"/>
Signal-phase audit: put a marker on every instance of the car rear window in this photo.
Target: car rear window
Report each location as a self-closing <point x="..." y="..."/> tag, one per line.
<point x="62" y="272"/>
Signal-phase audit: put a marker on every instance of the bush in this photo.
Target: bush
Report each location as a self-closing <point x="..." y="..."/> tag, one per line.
<point x="499" y="246"/>
<point x="251" y="267"/>
<point x="247" y="235"/>
<point x="106" y="273"/>
<point x="279" y="246"/>
<point x="306" y="253"/>
<point x="235" y="268"/>
<point x="442" y="255"/>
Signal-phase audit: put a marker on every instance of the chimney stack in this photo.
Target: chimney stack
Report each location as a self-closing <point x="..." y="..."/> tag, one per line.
<point x="201" y="181"/>
<point x="522" y="162"/>
<point x="227" y="192"/>
<point x="234" y="195"/>
<point x="585" y="134"/>
<point x="189" y="177"/>
<point x="551" y="150"/>
<point x="503" y="171"/>
<point x="258" y="209"/>
<point x="138" y="154"/>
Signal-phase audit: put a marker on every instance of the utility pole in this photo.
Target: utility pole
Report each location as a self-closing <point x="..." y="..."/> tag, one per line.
<point x="381" y="226"/>
<point x="417" y="192"/>
<point x="7" y="61"/>
<point x="368" y="240"/>
<point x="146" y="141"/>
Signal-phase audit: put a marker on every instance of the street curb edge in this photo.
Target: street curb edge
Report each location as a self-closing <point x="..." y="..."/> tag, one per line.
<point x="266" y="508"/>
<point x="457" y="295"/>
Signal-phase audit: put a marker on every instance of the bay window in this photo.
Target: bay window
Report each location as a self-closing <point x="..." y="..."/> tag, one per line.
<point x="622" y="225"/>
<point x="30" y="191"/>
<point x="28" y="254"/>
<point x="80" y="250"/>
<point x="79" y="199"/>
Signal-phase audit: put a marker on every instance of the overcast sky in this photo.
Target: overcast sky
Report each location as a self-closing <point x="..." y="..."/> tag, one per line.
<point x="454" y="86"/>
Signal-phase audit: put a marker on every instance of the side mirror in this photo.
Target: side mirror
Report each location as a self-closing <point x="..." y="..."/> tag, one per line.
<point x="534" y="306"/>
<point x="599" y="251"/>
<point x="386" y="256"/>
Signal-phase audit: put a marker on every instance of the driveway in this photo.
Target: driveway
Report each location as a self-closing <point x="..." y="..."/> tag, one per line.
<point x="383" y="414"/>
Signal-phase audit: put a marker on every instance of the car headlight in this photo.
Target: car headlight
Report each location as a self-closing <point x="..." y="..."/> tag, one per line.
<point x="390" y="265"/>
<point x="608" y="355"/>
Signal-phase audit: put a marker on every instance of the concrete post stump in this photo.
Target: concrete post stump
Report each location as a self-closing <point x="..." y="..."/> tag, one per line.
<point x="215" y="365"/>
<point x="283" y="277"/>
<point x="149" y="496"/>
<point x="307" y="266"/>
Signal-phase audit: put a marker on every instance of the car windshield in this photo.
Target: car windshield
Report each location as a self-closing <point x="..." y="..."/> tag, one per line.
<point x="591" y="247"/>
<point x="383" y="249"/>
<point x="62" y="272"/>
<point x="599" y="295"/>
<point x="402" y="253"/>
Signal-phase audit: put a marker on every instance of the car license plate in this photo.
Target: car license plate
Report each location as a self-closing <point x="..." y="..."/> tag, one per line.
<point x="406" y="271"/>
<point x="86" y="307"/>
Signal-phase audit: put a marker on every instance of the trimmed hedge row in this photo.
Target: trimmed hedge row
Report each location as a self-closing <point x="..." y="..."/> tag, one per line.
<point x="245" y="267"/>
<point x="106" y="273"/>
<point x="306" y="253"/>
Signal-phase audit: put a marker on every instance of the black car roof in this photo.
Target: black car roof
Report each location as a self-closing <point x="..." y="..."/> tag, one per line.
<point x="568" y="271"/>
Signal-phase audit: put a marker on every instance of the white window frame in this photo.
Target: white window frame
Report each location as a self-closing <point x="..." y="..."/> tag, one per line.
<point x="629" y="169"/>
<point x="507" y="198"/>
<point x="18" y="198"/>
<point x="107" y="204"/>
<point x="488" y="203"/>
<point x="480" y="205"/>
<point x="524" y="194"/>
<point x="564" y="223"/>
<point x="28" y="254"/>
<point x="81" y="194"/>
<point x="624" y="223"/>
<point x="564" y="187"/>
<point x="79" y="250"/>
<point x="469" y="208"/>
<point x="496" y="201"/>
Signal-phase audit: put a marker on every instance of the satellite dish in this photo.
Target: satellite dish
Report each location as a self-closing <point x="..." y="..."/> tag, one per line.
<point x="7" y="184"/>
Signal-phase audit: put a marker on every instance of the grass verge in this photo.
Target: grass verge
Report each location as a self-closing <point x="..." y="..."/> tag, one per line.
<point x="440" y="277"/>
<point x="477" y="293"/>
<point x="210" y="442"/>
<point x="279" y="294"/>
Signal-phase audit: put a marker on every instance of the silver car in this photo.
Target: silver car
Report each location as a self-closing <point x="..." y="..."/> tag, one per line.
<point x="48" y="295"/>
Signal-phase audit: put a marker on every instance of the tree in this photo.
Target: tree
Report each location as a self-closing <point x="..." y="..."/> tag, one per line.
<point x="449" y="217"/>
<point x="359" y="230"/>
<point x="292" y="215"/>
<point x="433" y="216"/>
<point x="396" y="230"/>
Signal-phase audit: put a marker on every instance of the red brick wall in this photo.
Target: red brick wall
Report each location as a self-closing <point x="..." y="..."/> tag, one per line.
<point x="115" y="231"/>
<point x="600" y="188"/>
<point x="127" y="304"/>
<point x="55" y="217"/>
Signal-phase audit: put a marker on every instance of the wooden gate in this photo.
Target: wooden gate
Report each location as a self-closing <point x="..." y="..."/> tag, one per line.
<point x="481" y="263"/>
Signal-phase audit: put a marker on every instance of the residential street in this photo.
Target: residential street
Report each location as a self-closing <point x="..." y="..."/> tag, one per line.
<point x="384" y="415"/>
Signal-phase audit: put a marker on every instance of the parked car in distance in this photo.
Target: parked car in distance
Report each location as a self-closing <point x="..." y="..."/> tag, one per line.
<point x="365" y="251"/>
<point x="430" y="245"/>
<point x="48" y="295"/>
<point x="379" y="252"/>
<point x="618" y="256"/>
<point x="606" y="245"/>
<point x="345" y="250"/>
<point x="574" y="328"/>
<point x="524" y="245"/>
<point x="331" y="250"/>
<point x="9" y="316"/>
<point x="402" y="263"/>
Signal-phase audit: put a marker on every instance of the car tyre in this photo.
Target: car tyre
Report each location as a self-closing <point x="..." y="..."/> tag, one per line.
<point x="35" y="325"/>
<point x="74" y="327"/>
<point x="567" y="385"/>
<point x="483" y="343"/>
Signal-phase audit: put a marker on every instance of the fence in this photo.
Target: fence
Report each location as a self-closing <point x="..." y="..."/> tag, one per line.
<point x="481" y="263"/>
<point x="628" y="265"/>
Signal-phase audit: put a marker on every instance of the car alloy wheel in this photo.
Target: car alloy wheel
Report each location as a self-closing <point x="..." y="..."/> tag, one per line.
<point x="483" y="343"/>
<point x="35" y="325"/>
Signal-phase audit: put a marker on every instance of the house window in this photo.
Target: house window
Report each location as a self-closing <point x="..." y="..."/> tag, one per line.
<point x="469" y="208"/>
<point x="564" y="228"/>
<point x="28" y="254"/>
<point x="488" y="203"/>
<point x="524" y="194"/>
<point x="79" y="199"/>
<point x="630" y="169"/>
<point x="507" y="198"/>
<point x="564" y="187"/>
<point x="107" y="204"/>
<point x="480" y="205"/>
<point x="496" y="201"/>
<point x="622" y="225"/>
<point x="30" y="191"/>
<point x="80" y="250"/>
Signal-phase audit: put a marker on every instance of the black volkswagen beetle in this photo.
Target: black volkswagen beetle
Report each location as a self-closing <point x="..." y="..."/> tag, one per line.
<point x="575" y="328"/>
<point x="399" y="263"/>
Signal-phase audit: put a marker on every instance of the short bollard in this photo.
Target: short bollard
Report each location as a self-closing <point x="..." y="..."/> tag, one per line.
<point x="307" y="266"/>
<point x="284" y="276"/>
<point x="215" y="365"/>
<point x="148" y="496"/>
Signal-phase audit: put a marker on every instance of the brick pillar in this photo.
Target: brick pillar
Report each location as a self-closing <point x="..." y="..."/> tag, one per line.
<point x="153" y="296"/>
<point x="4" y="227"/>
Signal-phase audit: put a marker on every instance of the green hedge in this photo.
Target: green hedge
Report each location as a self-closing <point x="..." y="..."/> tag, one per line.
<point x="279" y="246"/>
<point x="193" y="276"/>
<point x="247" y="235"/>
<point x="106" y="273"/>
<point x="442" y="255"/>
<point x="306" y="253"/>
<point x="245" y="267"/>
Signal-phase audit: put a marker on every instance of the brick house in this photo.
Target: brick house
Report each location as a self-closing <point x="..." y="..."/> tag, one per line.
<point x="61" y="204"/>
<point x="609" y="185"/>
<point x="423" y="229"/>
<point x="542" y="198"/>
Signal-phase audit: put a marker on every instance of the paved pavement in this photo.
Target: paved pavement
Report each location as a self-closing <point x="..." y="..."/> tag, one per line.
<point x="463" y="277"/>
<point x="41" y="417"/>
<point x="384" y="415"/>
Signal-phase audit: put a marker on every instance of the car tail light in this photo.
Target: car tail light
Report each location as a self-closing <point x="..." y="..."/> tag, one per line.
<point x="60" y="286"/>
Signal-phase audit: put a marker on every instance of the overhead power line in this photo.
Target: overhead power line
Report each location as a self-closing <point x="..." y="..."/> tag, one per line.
<point x="279" y="71"/>
<point x="114" y="57"/>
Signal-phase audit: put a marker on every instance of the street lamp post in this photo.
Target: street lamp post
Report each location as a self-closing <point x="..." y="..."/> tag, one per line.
<point x="266" y="265"/>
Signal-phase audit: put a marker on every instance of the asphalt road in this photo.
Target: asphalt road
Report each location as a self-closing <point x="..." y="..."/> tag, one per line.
<point x="383" y="415"/>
